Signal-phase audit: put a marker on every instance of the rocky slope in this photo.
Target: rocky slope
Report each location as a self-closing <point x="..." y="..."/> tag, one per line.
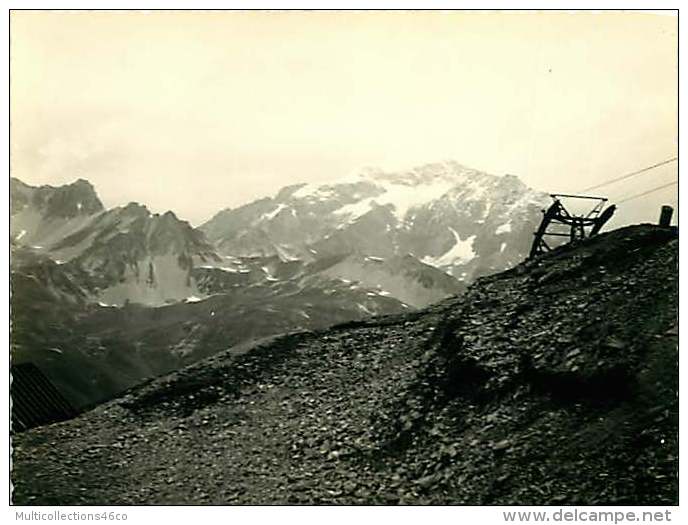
<point x="405" y="279"/>
<point x="463" y="221"/>
<point x="92" y="352"/>
<point x="553" y="383"/>
<point x="183" y="301"/>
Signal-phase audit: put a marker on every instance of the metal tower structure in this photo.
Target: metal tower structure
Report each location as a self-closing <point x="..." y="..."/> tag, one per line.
<point x="579" y="226"/>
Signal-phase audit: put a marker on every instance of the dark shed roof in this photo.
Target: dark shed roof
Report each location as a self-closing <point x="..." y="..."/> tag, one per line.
<point x="35" y="400"/>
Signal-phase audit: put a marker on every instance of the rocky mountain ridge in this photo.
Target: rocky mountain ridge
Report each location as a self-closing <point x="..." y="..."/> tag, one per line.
<point x="185" y="294"/>
<point x="44" y="214"/>
<point x="124" y="254"/>
<point x="463" y="221"/>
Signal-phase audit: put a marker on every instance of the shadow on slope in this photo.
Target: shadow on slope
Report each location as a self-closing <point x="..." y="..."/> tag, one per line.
<point x="553" y="383"/>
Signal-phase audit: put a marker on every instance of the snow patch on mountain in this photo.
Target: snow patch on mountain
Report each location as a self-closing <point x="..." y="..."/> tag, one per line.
<point x="321" y="191"/>
<point x="286" y="254"/>
<point x="272" y="214"/>
<point x="401" y="195"/>
<point x="461" y="252"/>
<point x="268" y="274"/>
<point x="355" y="210"/>
<point x="391" y="213"/>
<point x="405" y="197"/>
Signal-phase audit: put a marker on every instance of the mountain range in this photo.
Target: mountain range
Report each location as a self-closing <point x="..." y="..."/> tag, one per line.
<point x="462" y="221"/>
<point x="104" y="298"/>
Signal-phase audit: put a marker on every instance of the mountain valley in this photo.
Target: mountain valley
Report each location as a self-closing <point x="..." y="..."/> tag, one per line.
<point x="106" y="298"/>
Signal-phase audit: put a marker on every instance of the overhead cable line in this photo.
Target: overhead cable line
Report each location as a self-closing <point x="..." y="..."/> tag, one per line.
<point x="629" y="175"/>
<point x="648" y="192"/>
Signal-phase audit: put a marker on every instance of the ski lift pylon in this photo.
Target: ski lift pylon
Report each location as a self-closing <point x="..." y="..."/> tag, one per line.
<point x="579" y="226"/>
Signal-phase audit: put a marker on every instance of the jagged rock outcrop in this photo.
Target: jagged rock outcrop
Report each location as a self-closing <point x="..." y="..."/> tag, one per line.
<point x="137" y="256"/>
<point x="41" y="215"/>
<point x="125" y="254"/>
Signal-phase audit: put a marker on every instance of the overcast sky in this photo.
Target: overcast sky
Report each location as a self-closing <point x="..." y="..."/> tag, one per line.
<point x="196" y="112"/>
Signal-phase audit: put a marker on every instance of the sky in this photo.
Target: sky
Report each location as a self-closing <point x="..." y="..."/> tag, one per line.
<point x="200" y="111"/>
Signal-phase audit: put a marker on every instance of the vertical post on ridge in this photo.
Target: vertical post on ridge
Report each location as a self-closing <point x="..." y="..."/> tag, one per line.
<point x="665" y="216"/>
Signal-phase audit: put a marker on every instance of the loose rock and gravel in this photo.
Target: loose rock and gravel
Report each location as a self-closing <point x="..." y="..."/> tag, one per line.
<point x="552" y="383"/>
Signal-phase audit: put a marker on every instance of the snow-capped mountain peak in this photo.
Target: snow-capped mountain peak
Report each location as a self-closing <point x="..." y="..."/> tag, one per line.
<point x="431" y="210"/>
